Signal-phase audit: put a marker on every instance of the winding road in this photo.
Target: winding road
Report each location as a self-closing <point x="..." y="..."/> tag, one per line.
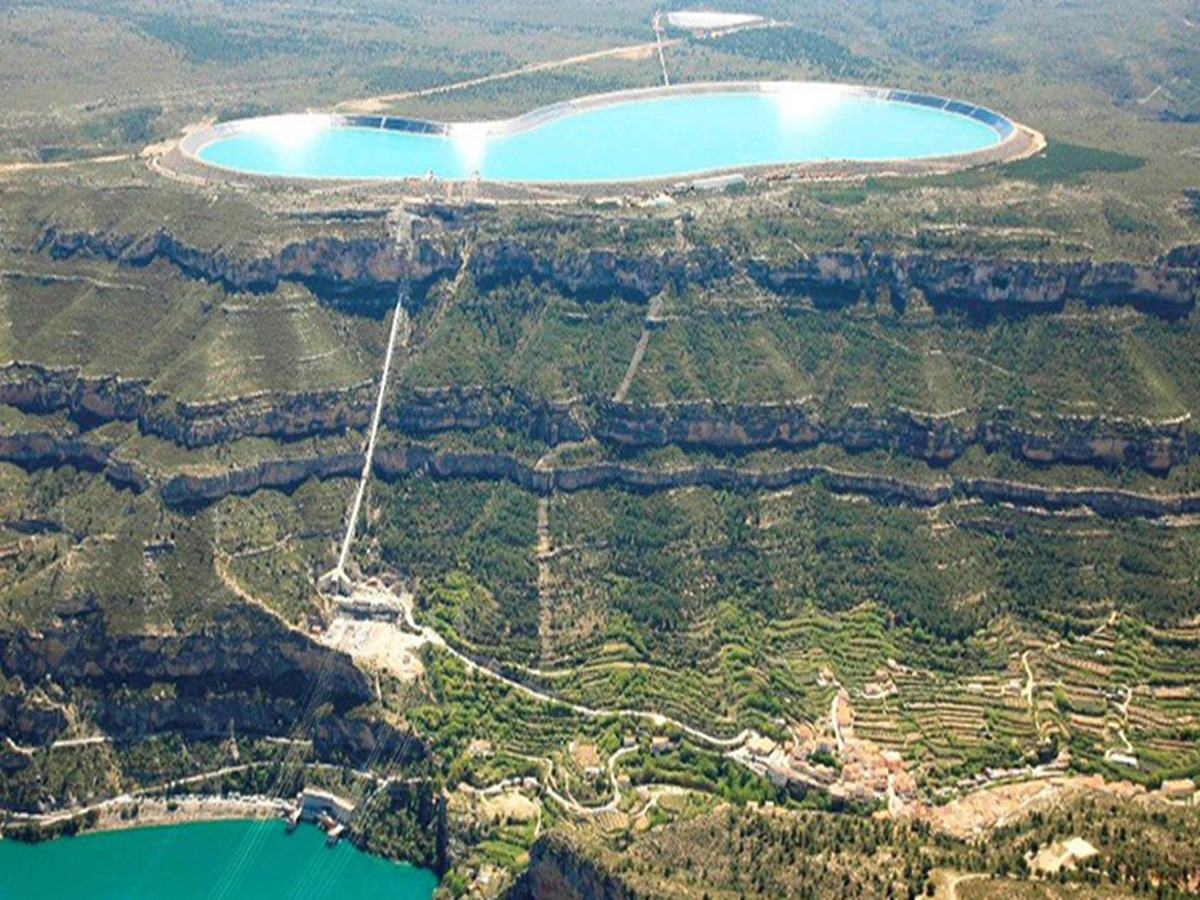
<point x="431" y="636"/>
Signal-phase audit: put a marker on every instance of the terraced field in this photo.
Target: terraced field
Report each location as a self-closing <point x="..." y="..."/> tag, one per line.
<point x="760" y="624"/>
<point x="724" y="517"/>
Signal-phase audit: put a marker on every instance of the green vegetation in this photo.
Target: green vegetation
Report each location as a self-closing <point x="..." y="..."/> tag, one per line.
<point x="486" y="533"/>
<point x="405" y="822"/>
<point x="135" y="125"/>
<point x="792" y="44"/>
<point x="524" y="336"/>
<point x="966" y="636"/>
<point x="465" y="705"/>
<point x="266" y="543"/>
<point x="1063" y="162"/>
<point x="99" y="549"/>
<point x="720" y="608"/>
<point x="815" y="855"/>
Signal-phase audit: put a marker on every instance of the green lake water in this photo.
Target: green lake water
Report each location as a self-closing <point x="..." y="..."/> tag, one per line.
<point x="230" y="860"/>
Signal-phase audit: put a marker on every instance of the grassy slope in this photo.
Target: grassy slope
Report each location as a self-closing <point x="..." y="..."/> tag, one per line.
<point x="718" y="608"/>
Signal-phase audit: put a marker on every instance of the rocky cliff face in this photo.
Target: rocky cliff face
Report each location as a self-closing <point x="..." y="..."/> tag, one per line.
<point x="244" y="669"/>
<point x="471" y="408"/>
<point x="197" y="490"/>
<point x="597" y="273"/>
<point x="558" y="872"/>
<point x="93" y="401"/>
<point x="1112" y="503"/>
<point x="41" y="449"/>
<point x="936" y="440"/>
<point x="42" y="389"/>
<point x="982" y="287"/>
<point x="275" y="414"/>
<point x="364" y="274"/>
<point x="839" y="278"/>
<point x="1155" y="449"/>
<point x="360" y="275"/>
<point x="224" y="659"/>
<point x="279" y="474"/>
<point x="718" y="428"/>
<point x="494" y="466"/>
<point x="709" y="426"/>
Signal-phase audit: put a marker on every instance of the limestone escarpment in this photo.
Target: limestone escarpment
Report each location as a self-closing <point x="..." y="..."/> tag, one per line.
<point x="44" y="449"/>
<point x="982" y="287"/>
<point x="839" y="278"/>
<point x="224" y="658"/>
<point x="598" y="273"/>
<point x="358" y="274"/>
<point x="274" y="414"/>
<point x="44" y="389"/>
<point x="1109" y="502"/>
<point x="190" y="490"/>
<point x="405" y="461"/>
<point x="557" y="871"/>
<point x="243" y="670"/>
<point x="1154" y="447"/>
<point x="350" y="271"/>
<point x="363" y="274"/>
<point x="469" y="408"/>
<point x="395" y="462"/>
<point x="707" y="427"/>
<point x="95" y="400"/>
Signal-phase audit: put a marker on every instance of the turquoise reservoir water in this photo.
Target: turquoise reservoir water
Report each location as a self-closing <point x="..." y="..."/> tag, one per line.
<point x="631" y="139"/>
<point x="237" y="860"/>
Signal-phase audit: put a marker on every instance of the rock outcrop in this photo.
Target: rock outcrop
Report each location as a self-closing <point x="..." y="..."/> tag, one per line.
<point x="1154" y="447"/>
<point x="92" y="401"/>
<point x="244" y="671"/>
<point x="396" y="462"/>
<point x="279" y="474"/>
<point x="470" y="408"/>
<point x="982" y="287"/>
<point x="557" y="871"/>
<point x="26" y="721"/>
<point x="363" y="274"/>
<point x="597" y="273"/>
<point x="360" y="274"/>
<point x="722" y="428"/>
<point x="43" y="449"/>
<point x="224" y="658"/>
<point x="44" y="389"/>
<point x="366" y="271"/>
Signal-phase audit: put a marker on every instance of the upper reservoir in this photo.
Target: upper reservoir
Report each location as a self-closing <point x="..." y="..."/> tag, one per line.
<point x="635" y="135"/>
<point x="235" y="860"/>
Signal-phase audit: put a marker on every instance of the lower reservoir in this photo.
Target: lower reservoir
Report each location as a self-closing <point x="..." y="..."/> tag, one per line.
<point x="233" y="860"/>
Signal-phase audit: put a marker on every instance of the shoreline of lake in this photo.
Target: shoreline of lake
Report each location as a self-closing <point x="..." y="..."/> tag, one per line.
<point x="174" y="853"/>
<point x="151" y="811"/>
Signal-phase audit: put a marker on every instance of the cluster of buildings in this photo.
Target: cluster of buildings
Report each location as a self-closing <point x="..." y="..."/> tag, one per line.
<point x="1182" y="791"/>
<point x="829" y="756"/>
